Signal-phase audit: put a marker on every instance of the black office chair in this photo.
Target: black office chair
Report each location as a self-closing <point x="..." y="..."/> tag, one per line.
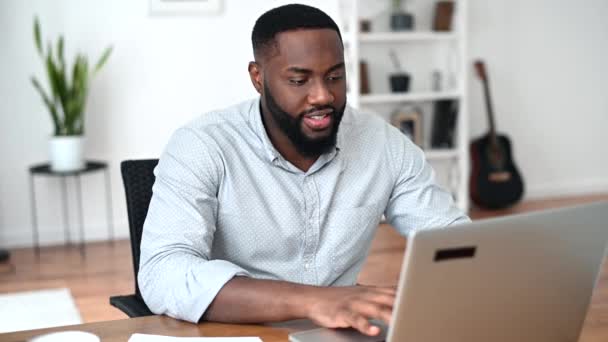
<point x="138" y="178"/>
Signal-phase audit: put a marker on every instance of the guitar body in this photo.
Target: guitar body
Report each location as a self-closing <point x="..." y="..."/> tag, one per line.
<point x="495" y="181"/>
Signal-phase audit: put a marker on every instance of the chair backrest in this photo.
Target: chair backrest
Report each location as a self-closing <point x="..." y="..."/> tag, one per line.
<point x="138" y="178"/>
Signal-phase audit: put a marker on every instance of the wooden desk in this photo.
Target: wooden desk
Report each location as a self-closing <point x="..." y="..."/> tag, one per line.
<point x="595" y="329"/>
<point x="121" y="330"/>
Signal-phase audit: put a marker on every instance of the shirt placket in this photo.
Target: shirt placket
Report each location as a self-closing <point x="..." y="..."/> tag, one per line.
<point x="311" y="199"/>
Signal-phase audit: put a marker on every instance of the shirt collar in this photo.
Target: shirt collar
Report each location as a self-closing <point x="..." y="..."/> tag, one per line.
<point x="255" y="117"/>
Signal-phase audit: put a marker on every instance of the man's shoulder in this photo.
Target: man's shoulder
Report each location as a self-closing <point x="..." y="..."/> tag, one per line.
<point x="215" y="129"/>
<point x="234" y="115"/>
<point x="361" y="124"/>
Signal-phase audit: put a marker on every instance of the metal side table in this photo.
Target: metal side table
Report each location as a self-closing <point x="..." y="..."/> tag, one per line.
<point x="45" y="170"/>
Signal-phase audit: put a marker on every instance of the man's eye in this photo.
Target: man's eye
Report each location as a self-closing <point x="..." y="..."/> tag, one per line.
<point x="297" y="81"/>
<point x="335" y="77"/>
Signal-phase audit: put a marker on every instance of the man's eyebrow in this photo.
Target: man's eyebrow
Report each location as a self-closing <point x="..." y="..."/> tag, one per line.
<point x="300" y="70"/>
<point x="336" y="67"/>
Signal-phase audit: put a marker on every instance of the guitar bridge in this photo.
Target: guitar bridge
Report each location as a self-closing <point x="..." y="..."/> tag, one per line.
<point x="499" y="177"/>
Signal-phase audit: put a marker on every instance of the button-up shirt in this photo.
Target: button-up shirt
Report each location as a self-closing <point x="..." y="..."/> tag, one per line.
<point x="226" y="203"/>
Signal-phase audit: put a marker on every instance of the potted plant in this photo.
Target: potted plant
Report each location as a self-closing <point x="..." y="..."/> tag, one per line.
<point x="399" y="80"/>
<point x="65" y="101"/>
<point x="400" y="19"/>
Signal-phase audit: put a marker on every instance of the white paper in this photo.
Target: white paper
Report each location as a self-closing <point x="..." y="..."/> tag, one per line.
<point x="160" y="338"/>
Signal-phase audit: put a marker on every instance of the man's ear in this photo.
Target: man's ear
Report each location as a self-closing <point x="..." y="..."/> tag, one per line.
<point x="255" y="74"/>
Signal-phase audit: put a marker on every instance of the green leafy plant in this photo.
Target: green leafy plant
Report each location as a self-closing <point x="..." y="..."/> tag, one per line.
<point x="67" y="98"/>
<point x="397" y="5"/>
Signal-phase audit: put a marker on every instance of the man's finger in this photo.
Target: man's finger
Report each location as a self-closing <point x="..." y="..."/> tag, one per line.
<point x="362" y="324"/>
<point x="379" y="298"/>
<point x="382" y="289"/>
<point x="373" y="310"/>
<point x="391" y="289"/>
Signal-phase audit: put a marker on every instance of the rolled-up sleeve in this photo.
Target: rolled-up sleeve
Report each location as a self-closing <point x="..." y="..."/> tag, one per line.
<point x="417" y="201"/>
<point x="177" y="276"/>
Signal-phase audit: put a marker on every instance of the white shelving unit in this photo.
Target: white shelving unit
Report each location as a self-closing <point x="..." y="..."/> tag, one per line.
<point x="449" y="56"/>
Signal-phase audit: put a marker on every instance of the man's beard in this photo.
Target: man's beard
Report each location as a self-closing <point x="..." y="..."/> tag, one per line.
<point x="292" y="127"/>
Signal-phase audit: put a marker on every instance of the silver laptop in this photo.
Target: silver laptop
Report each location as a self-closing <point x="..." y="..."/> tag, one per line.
<point x="525" y="278"/>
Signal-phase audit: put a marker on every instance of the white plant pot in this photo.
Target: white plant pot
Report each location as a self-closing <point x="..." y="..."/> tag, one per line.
<point x="67" y="153"/>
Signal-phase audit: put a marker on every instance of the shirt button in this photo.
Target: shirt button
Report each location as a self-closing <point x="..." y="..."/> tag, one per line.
<point x="306" y="265"/>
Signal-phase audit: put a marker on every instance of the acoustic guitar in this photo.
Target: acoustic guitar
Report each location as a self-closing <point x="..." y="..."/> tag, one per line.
<point x="495" y="181"/>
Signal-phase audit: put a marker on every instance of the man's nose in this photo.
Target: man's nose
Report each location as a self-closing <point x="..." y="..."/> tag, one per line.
<point x="320" y="94"/>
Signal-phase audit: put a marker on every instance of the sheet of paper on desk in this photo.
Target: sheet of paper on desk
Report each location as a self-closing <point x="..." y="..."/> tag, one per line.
<point x="160" y="338"/>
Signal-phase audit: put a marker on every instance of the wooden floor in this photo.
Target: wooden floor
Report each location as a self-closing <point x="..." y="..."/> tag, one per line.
<point x="107" y="268"/>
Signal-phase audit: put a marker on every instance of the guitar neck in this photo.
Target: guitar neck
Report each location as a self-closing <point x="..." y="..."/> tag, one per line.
<point x="483" y="76"/>
<point x="489" y="108"/>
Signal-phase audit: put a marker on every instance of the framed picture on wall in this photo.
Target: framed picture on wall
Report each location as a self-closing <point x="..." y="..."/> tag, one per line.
<point x="186" y="7"/>
<point x="408" y="121"/>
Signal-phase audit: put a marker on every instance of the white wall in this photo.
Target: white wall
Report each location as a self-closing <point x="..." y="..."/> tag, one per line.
<point x="546" y="59"/>
<point x="548" y="67"/>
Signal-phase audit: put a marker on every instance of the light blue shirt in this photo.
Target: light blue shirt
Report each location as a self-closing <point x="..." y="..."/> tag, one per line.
<point x="226" y="203"/>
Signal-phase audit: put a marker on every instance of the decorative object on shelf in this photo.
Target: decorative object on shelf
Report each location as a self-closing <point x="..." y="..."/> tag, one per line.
<point x="444" y="11"/>
<point x="437" y="81"/>
<point x="400" y="83"/>
<point x="365" y="25"/>
<point x="445" y="114"/>
<point x="495" y="180"/>
<point x="408" y="121"/>
<point x="400" y="19"/>
<point x="66" y="101"/>
<point x="189" y="7"/>
<point x="364" y="78"/>
<point x="400" y="80"/>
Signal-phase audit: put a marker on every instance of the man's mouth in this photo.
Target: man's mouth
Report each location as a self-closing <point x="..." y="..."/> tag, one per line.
<point x="319" y="120"/>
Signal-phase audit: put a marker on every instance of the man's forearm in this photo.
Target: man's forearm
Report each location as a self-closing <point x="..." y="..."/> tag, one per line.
<point x="247" y="300"/>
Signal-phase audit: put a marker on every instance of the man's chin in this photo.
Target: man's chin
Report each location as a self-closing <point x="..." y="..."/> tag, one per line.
<point x="317" y="136"/>
<point x="317" y="145"/>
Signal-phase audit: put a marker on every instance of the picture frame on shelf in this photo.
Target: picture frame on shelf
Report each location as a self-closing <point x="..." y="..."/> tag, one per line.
<point x="409" y="122"/>
<point x="180" y="7"/>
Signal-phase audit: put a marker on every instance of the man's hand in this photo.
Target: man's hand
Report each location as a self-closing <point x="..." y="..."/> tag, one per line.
<point x="353" y="306"/>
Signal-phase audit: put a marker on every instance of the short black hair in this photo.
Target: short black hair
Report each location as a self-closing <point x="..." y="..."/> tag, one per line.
<point x="288" y="18"/>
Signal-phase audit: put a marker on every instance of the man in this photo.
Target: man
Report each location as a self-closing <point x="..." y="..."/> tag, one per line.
<point x="265" y="211"/>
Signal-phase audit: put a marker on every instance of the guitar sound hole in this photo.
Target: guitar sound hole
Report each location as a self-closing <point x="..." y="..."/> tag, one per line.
<point x="496" y="156"/>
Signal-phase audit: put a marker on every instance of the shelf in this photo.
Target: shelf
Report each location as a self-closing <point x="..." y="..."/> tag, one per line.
<point x="394" y="37"/>
<point x="408" y="97"/>
<point x="441" y="154"/>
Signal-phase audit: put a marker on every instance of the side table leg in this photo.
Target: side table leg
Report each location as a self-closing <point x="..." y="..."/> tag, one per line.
<point x="80" y="215"/>
<point x="34" y="216"/>
<point x="64" y="202"/>
<point x="109" y="212"/>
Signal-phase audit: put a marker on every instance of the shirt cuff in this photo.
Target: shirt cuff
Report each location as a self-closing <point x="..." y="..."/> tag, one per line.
<point x="204" y="283"/>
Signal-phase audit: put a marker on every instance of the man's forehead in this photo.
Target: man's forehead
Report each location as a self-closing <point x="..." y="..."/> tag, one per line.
<point x="307" y="38"/>
<point x="305" y="46"/>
